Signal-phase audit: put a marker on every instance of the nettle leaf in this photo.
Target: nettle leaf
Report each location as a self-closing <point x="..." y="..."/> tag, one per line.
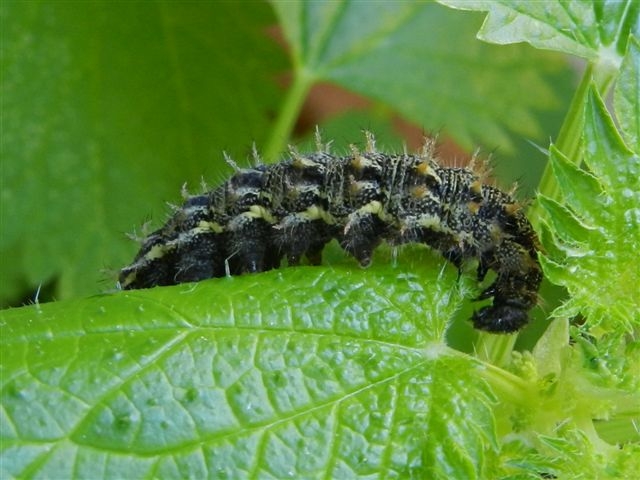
<point x="595" y="30"/>
<point x="597" y="229"/>
<point x="107" y="109"/>
<point x="212" y="380"/>
<point x="627" y="96"/>
<point x="416" y="58"/>
<point x="575" y="456"/>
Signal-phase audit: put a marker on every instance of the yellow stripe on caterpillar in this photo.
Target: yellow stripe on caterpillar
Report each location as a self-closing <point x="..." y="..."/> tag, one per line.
<point x="258" y="211"/>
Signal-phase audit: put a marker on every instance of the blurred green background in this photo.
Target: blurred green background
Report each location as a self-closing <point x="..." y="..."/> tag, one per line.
<point x="108" y="108"/>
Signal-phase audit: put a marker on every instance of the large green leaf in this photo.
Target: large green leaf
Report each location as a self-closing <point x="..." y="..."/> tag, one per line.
<point x="595" y="30"/>
<point x="107" y="109"/>
<point x="421" y="60"/>
<point x="213" y="379"/>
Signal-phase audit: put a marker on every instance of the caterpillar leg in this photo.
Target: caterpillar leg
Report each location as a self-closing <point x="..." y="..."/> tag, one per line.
<point x="250" y="246"/>
<point x="296" y="236"/>
<point x="362" y="234"/>
<point x="198" y="258"/>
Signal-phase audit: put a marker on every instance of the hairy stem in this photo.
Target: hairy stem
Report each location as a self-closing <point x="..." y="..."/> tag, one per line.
<point x="568" y="141"/>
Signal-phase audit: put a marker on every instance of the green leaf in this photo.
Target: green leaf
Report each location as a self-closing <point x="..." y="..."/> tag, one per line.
<point x="107" y="109"/>
<point x="569" y="230"/>
<point x="347" y="129"/>
<point x="601" y="273"/>
<point x="606" y="154"/>
<point x="580" y="188"/>
<point x="211" y="379"/>
<point x="307" y="372"/>
<point x="574" y="456"/>
<point x="597" y="31"/>
<point x="627" y="95"/>
<point x="416" y="58"/>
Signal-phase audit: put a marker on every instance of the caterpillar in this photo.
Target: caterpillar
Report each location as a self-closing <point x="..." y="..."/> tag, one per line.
<point x="291" y="209"/>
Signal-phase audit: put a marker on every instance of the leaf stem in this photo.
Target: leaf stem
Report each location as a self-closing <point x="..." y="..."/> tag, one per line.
<point x="495" y="349"/>
<point x="568" y="142"/>
<point x="288" y="115"/>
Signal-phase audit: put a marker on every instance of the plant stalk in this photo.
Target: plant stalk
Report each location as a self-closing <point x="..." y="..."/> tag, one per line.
<point x="281" y="132"/>
<point x="495" y="349"/>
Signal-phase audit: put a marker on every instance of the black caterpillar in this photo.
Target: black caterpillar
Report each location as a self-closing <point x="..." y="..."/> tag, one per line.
<point x="293" y="208"/>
